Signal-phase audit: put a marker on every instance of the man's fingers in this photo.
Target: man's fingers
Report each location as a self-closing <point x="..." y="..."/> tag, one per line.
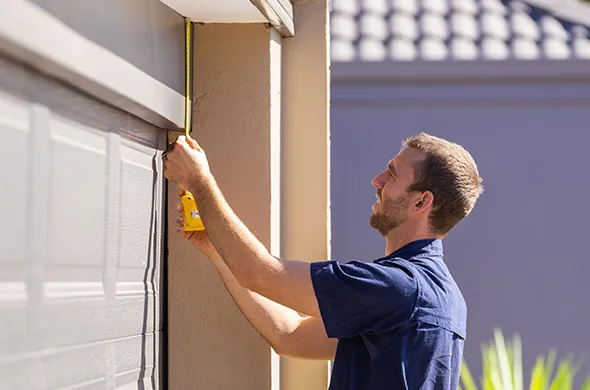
<point x="181" y="141"/>
<point x="179" y="207"/>
<point x="192" y="142"/>
<point x="180" y="221"/>
<point x="188" y="141"/>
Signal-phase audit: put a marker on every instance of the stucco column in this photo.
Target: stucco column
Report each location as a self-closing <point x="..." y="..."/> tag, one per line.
<point x="306" y="161"/>
<point x="236" y="118"/>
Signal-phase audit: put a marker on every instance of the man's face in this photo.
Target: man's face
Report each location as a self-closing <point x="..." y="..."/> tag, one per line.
<point x="394" y="202"/>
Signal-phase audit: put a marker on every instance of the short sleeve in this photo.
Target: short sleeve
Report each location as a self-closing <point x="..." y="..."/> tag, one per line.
<point x="360" y="298"/>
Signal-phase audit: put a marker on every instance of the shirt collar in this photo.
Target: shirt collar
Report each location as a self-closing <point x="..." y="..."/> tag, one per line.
<point x="427" y="247"/>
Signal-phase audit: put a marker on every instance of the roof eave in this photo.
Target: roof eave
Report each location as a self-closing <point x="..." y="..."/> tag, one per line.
<point x="460" y="71"/>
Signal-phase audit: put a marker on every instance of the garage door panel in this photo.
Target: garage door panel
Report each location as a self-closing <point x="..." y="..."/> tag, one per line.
<point x="135" y="299"/>
<point x="78" y="192"/>
<point x="134" y="315"/>
<point x="135" y="354"/>
<point x="80" y="294"/>
<point x="86" y="365"/>
<point x="22" y="372"/>
<point x="88" y="319"/>
<point x="14" y="130"/>
<point x="13" y="318"/>
<point x="81" y="321"/>
<point x="138" y="192"/>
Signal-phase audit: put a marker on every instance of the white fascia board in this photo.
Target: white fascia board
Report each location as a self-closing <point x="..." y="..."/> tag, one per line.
<point x="217" y="11"/>
<point x="36" y="38"/>
<point x="279" y="13"/>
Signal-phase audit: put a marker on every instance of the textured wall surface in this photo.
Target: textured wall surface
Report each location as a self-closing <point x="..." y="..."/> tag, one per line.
<point x="305" y="154"/>
<point x="521" y="258"/>
<point x="212" y="345"/>
<point x="80" y="240"/>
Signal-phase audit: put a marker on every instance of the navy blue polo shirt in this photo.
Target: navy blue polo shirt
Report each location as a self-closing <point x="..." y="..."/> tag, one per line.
<point x="400" y="320"/>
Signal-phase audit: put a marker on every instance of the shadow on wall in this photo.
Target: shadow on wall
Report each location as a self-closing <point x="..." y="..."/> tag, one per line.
<point x="150" y="285"/>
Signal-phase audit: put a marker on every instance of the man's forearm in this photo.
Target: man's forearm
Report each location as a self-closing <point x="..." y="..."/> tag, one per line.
<point x="282" y="281"/>
<point x="273" y="321"/>
<point x="245" y="256"/>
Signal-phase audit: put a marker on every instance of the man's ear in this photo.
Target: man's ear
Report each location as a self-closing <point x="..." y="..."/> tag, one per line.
<point x="424" y="202"/>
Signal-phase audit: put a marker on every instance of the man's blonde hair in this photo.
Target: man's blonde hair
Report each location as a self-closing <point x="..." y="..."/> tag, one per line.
<point x="450" y="173"/>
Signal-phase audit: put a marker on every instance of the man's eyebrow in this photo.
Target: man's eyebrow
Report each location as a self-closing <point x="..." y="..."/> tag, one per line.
<point x="392" y="169"/>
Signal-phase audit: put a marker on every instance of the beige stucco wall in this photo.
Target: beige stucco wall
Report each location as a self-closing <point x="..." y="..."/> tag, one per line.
<point x="211" y="344"/>
<point x="305" y="159"/>
<point x="261" y="112"/>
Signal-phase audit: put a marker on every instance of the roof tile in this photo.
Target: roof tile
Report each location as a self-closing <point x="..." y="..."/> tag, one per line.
<point x="524" y="49"/>
<point x="494" y="6"/>
<point x="433" y="49"/>
<point x="494" y="25"/>
<point x="465" y="6"/>
<point x="343" y="26"/>
<point x="463" y="49"/>
<point x="373" y="26"/>
<point x="494" y="49"/>
<point x="407" y="6"/>
<point x="372" y="50"/>
<point x="552" y="27"/>
<point x="581" y="44"/>
<point x="379" y="7"/>
<point x="524" y="26"/>
<point x="440" y="7"/>
<point x="464" y="25"/>
<point x="556" y="49"/>
<point x="407" y="30"/>
<point x="434" y="25"/>
<point x="402" y="50"/>
<point x="342" y="50"/>
<point x="351" y="7"/>
<point x="403" y="25"/>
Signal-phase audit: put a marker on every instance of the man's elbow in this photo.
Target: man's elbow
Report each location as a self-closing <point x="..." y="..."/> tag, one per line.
<point x="283" y="346"/>
<point x="256" y="278"/>
<point x="247" y="278"/>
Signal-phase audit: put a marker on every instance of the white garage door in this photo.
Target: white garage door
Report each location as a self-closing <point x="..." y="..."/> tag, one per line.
<point x="81" y="212"/>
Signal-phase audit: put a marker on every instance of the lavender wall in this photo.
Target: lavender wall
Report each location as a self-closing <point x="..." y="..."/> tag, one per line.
<point x="522" y="258"/>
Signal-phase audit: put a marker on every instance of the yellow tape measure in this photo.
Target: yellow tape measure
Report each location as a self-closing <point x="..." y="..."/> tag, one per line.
<point x="192" y="218"/>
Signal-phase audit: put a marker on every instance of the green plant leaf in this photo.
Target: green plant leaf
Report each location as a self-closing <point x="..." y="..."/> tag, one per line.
<point x="538" y="378"/>
<point x="563" y="377"/>
<point x="502" y="368"/>
<point x="485" y="380"/>
<point x="549" y="367"/>
<point x="503" y="361"/>
<point x="466" y="378"/>
<point x="494" y="368"/>
<point x="517" y="363"/>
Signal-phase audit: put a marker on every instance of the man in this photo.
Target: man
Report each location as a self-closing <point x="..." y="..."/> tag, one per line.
<point x="398" y="322"/>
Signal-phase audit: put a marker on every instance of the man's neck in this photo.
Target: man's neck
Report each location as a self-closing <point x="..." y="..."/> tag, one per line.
<point x="397" y="239"/>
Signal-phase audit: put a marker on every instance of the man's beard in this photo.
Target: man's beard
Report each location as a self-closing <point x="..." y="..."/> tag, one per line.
<point x="391" y="214"/>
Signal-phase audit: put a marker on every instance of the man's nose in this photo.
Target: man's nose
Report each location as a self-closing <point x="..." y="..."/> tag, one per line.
<point x="376" y="182"/>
